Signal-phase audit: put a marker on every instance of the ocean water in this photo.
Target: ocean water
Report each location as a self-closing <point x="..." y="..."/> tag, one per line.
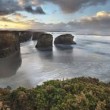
<point x="90" y="57"/>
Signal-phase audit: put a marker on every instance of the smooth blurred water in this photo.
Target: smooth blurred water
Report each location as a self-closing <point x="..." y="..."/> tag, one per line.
<point x="90" y="57"/>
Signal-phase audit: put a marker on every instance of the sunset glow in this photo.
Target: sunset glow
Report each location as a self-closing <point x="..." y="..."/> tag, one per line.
<point x="56" y="15"/>
<point x="11" y="25"/>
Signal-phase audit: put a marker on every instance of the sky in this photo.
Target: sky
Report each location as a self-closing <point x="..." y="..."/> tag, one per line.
<point x="79" y="16"/>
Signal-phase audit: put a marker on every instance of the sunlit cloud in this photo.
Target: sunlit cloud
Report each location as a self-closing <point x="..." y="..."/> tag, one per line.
<point x="11" y="25"/>
<point x="97" y="24"/>
<point x="102" y="14"/>
<point x="55" y="15"/>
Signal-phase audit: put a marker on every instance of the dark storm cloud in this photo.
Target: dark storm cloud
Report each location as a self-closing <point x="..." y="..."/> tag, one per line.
<point x="67" y="6"/>
<point x="8" y="6"/>
<point x="11" y="6"/>
<point x="37" y="10"/>
<point x="70" y="6"/>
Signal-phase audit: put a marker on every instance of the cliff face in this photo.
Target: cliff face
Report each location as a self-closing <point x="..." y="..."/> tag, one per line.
<point x="9" y="43"/>
<point x="24" y="36"/>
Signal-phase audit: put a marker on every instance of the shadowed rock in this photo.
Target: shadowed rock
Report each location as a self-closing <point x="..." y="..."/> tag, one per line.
<point x="24" y="36"/>
<point x="66" y="39"/>
<point x="37" y="35"/>
<point x="9" y="43"/>
<point x="45" y="42"/>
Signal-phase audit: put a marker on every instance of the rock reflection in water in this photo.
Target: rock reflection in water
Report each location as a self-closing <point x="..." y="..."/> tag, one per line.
<point x="10" y="65"/>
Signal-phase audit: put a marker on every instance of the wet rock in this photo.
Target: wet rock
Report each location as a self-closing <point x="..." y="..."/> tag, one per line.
<point x="45" y="42"/>
<point x="37" y="35"/>
<point x="65" y="39"/>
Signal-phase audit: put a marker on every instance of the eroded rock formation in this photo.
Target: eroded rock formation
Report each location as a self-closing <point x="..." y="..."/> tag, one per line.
<point x="24" y="36"/>
<point x="9" y="43"/>
<point x="37" y="35"/>
<point x="66" y="39"/>
<point x="45" y="42"/>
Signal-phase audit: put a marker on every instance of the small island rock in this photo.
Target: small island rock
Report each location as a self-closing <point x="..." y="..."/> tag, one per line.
<point x="45" y="42"/>
<point x="65" y="39"/>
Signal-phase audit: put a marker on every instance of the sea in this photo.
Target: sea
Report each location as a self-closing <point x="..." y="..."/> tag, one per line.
<point x="90" y="57"/>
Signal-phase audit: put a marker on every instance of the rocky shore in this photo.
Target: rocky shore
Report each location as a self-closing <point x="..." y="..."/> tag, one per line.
<point x="10" y="41"/>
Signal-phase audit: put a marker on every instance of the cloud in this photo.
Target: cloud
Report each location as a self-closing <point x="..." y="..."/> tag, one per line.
<point x="98" y="24"/>
<point x="70" y="6"/>
<point x="30" y="2"/>
<point x="13" y="18"/>
<point x="18" y="16"/>
<point x="67" y="6"/>
<point x="8" y="6"/>
<point x="33" y="9"/>
<point x="101" y="21"/>
<point x="5" y="19"/>
<point x="11" y="6"/>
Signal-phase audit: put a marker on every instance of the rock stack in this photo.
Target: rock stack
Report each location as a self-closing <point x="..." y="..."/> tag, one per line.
<point x="9" y="43"/>
<point x="37" y="35"/>
<point x="65" y="39"/>
<point x="45" y="42"/>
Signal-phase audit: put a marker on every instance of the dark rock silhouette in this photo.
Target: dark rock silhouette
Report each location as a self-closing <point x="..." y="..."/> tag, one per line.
<point x="45" y="42"/>
<point x="9" y="43"/>
<point x="65" y="39"/>
<point x="24" y="36"/>
<point x="37" y="35"/>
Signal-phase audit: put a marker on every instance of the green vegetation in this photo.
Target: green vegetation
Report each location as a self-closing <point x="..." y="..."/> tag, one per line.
<point x="72" y="94"/>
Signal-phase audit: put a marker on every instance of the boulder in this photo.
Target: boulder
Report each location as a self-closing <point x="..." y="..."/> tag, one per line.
<point x="45" y="42"/>
<point x="65" y="39"/>
<point x="9" y="43"/>
<point x="37" y="35"/>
